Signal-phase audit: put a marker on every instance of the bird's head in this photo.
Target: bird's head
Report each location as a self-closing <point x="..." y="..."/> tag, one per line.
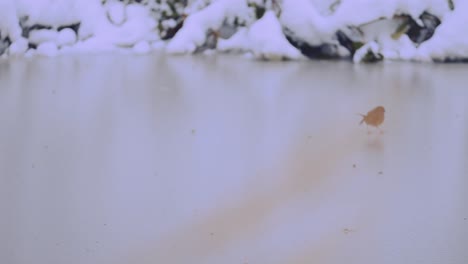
<point x="380" y="109"/>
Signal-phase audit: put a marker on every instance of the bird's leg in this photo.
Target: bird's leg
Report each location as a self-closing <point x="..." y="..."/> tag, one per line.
<point x="368" y="131"/>
<point x="380" y="130"/>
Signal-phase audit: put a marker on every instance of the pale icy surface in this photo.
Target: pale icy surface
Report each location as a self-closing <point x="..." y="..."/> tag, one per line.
<point x="218" y="159"/>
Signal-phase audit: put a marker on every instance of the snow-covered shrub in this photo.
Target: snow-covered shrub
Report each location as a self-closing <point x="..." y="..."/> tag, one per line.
<point x="362" y="30"/>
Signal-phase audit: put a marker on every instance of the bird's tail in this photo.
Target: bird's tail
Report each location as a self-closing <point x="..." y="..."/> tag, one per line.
<point x="363" y="118"/>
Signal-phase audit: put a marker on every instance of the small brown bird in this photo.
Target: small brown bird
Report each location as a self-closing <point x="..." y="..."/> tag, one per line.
<point x="374" y="118"/>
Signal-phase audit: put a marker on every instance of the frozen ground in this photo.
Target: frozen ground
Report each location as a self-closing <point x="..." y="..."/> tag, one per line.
<point x="389" y="29"/>
<point x="155" y="159"/>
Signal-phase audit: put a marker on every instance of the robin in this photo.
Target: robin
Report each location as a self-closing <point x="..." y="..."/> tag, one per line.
<point x="374" y="117"/>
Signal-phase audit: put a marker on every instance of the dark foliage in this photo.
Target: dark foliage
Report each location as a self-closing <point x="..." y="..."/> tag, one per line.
<point x="419" y="34"/>
<point x="324" y="51"/>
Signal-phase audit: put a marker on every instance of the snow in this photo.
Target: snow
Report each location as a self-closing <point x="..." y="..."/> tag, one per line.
<point x="248" y="55"/>
<point x="66" y="37"/>
<point x="158" y="45"/>
<point x="42" y="35"/>
<point x="196" y="5"/>
<point x="93" y="20"/>
<point x="115" y="25"/>
<point x="116" y="12"/>
<point x="30" y="53"/>
<point x="209" y="52"/>
<point x="142" y="47"/>
<point x="9" y="25"/>
<point x="19" y="46"/>
<point x="401" y="49"/>
<point x="265" y="40"/>
<point x="238" y="41"/>
<point x="92" y="45"/>
<point x="361" y="52"/>
<point x="193" y="33"/>
<point x="379" y="36"/>
<point x="138" y="26"/>
<point x="448" y="41"/>
<point x="52" y="12"/>
<point x="170" y="23"/>
<point x="48" y="49"/>
<point x="347" y="14"/>
<point x="303" y="18"/>
<point x="135" y="11"/>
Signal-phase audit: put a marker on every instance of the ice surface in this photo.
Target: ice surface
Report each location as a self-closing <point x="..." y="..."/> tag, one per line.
<point x="98" y="152"/>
